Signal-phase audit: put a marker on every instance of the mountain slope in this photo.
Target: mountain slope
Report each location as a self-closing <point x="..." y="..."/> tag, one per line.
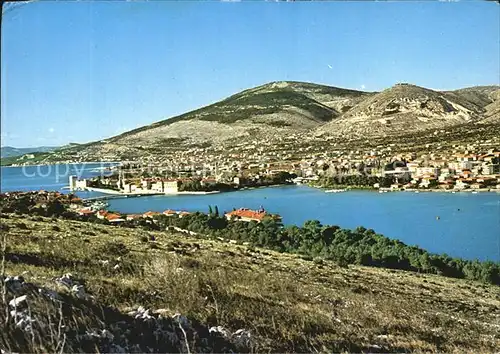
<point x="406" y="108"/>
<point x="481" y="96"/>
<point x="267" y="108"/>
<point x="9" y="151"/>
<point x="286" y="108"/>
<point x="274" y="109"/>
<point x="492" y="113"/>
<point x="288" y="304"/>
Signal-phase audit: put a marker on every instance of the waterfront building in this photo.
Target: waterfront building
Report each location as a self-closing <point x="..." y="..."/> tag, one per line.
<point x="114" y="218"/>
<point x="171" y="186"/>
<point x="77" y="184"/>
<point x="461" y="184"/>
<point x="150" y="214"/>
<point x="72" y="182"/>
<point x="422" y="171"/>
<point x="169" y="212"/>
<point x="248" y="215"/>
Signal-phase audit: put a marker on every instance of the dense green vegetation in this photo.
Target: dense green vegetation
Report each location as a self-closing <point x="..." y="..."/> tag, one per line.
<point x="359" y="246"/>
<point x="275" y="100"/>
<point x="196" y="185"/>
<point x="246" y="105"/>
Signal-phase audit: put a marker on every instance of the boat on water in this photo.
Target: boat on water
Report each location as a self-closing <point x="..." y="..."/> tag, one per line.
<point x="474" y="192"/>
<point x="98" y="205"/>
<point x="335" y="190"/>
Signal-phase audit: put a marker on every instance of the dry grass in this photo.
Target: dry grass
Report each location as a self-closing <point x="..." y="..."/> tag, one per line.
<point x="289" y="304"/>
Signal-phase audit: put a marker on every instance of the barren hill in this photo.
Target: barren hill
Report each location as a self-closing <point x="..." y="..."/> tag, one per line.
<point x="285" y="108"/>
<point x="269" y="109"/>
<point x="492" y="114"/>
<point x="406" y="108"/>
<point x="281" y="108"/>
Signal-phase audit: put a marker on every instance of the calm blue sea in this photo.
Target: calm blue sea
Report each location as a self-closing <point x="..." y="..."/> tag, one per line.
<point x="48" y="177"/>
<point x="468" y="224"/>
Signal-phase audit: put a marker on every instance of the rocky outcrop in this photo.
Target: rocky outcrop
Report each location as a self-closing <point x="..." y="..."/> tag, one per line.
<point x="70" y="320"/>
<point x="283" y="108"/>
<point x="406" y="108"/>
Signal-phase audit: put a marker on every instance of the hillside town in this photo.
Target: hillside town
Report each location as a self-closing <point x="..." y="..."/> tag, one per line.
<point x="251" y="165"/>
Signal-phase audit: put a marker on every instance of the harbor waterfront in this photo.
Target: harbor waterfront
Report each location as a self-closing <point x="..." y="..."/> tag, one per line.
<point x="463" y="225"/>
<point x="51" y="177"/>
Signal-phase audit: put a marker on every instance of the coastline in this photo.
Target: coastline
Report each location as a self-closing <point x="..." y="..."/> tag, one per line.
<point x="112" y="192"/>
<point x="140" y="194"/>
<point x="143" y="194"/>
<point x="64" y="163"/>
<point x="433" y="190"/>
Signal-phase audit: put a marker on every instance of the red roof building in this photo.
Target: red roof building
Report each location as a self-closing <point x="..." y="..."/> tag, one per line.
<point x="85" y="212"/>
<point x="112" y="217"/>
<point x="244" y="214"/>
<point x="150" y="214"/>
<point x="101" y="214"/>
<point x="133" y="216"/>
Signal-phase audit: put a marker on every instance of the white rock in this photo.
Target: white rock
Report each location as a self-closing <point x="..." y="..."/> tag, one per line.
<point x="220" y="330"/>
<point x="66" y="280"/>
<point x="18" y="301"/>
<point x="79" y="291"/>
<point x="241" y="332"/>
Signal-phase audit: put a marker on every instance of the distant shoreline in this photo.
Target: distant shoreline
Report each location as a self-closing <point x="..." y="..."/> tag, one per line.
<point x="434" y="190"/>
<point x="65" y="163"/>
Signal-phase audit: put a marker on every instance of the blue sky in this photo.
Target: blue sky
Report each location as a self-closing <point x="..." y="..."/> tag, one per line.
<point x="82" y="71"/>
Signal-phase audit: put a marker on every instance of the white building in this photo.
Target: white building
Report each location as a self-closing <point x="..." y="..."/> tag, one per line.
<point x="422" y="171"/>
<point x="170" y="186"/>
<point x="77" y="184"/>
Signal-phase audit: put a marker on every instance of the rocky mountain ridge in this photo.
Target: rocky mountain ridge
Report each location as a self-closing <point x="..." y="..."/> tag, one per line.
<point x="280" y="107"/>
<point x="406" y="108"/>
<point x="287" y="108"/>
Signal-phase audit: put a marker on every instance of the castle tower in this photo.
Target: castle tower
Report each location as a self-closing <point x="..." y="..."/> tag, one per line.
<point x="72" y="183"/>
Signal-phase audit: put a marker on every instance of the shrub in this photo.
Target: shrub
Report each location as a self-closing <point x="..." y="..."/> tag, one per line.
<point x="114" y="248"/>
<point x="22" y="226"/>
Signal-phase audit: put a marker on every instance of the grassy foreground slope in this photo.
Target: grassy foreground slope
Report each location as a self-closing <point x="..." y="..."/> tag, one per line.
<point x="286" y="303"/>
